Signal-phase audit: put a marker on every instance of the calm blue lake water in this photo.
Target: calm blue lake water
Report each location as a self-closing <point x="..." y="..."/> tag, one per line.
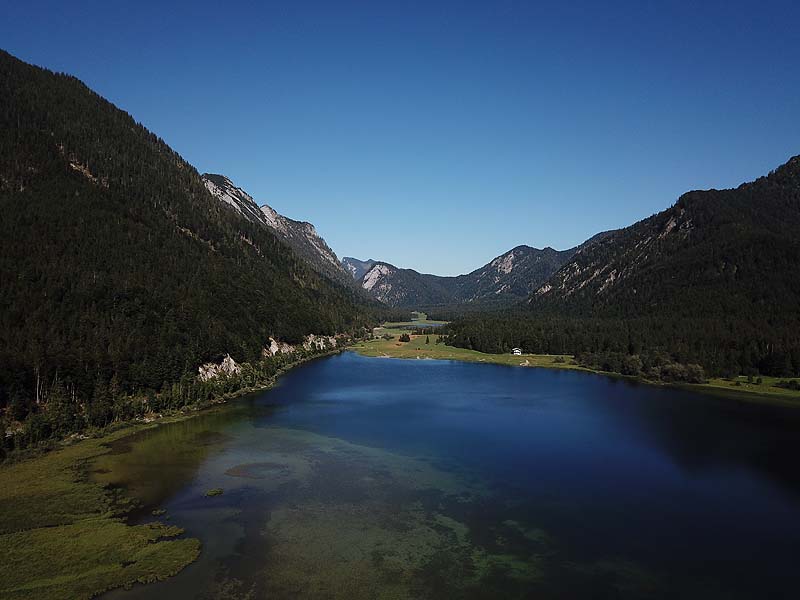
<point x="379" y="478"/>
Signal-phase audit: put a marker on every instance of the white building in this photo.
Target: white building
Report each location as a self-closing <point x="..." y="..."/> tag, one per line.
<point x="516" y="351"/>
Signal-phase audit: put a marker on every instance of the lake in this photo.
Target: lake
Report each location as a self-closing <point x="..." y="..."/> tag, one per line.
<point x="365" y="477"/>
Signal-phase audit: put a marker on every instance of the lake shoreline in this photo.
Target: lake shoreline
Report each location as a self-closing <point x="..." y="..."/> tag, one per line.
<point x="382" y="348"/>
<point x="61" y="476"/>
<point x="62" y="471"/>
<point x="172" y="416"/>
<point x="313" y="475"/>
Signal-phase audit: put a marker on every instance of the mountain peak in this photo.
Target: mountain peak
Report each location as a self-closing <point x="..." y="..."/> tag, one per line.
<point x="222" y="188"/>
<point x="790" y="169"/>
<point x="506" y="279"/>
<point x="219" y="179"/>
<point x="356" y="267"/>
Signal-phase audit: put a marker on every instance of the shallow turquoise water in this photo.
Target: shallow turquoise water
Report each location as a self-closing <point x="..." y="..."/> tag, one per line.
<point x="379" y="478"/>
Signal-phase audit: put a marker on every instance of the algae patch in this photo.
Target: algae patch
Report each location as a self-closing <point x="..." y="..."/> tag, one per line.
<point x="259" y="470"/>
<point x="342" y="520"/>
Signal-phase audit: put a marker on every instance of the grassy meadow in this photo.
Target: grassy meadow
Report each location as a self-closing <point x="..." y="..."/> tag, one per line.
<point x="64" y="537"/>
<point x="767" y="388"/>
<point x="417" y="348"/>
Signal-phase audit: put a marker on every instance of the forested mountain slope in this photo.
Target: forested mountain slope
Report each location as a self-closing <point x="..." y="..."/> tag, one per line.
<point x="513" y="275"/>
<point x="301" y="236"/>
<point x="715" y="252"/>
<point x="117" y="261"/>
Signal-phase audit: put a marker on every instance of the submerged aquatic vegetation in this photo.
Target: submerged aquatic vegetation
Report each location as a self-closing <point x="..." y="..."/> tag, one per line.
<point x="318" y="516"/>
<point x="342" y="520"/>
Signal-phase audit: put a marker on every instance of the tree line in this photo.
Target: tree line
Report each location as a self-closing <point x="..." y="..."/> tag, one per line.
<point x="59" y="411"/>
<point x="720" y="346"/>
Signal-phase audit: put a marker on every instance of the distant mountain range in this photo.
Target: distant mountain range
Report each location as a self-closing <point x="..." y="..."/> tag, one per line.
<point x="713" y="253"/>
<point x="357" y="268"/>
<point x="505" y="280"/>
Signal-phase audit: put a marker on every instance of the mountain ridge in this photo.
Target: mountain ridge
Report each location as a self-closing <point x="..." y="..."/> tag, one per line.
<point x="301" y="236"/>
<point x="357" y="268"/>
<point x="506" y="279"/>
<point x="719" y="247"/>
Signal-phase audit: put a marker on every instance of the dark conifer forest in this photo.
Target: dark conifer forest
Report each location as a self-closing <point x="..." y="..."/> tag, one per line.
<point x="118" y="269"/>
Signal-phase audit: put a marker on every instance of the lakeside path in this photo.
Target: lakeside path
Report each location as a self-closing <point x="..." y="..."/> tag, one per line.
<point x="738" y="388"/>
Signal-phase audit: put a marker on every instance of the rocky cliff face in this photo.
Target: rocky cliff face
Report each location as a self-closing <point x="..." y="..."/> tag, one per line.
<point x="357" y="268"/>
<point x="228" y="367"/>
<point x="301" y="236"/>
<point x="405" y="287"/>
<point x="211" y="370"/>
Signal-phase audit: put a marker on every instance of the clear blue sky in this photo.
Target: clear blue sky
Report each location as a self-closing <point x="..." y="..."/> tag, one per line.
<point x="438" y="135"/>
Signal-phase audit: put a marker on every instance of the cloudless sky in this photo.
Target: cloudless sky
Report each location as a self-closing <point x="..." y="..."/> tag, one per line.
<point x="437" y="135"/>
